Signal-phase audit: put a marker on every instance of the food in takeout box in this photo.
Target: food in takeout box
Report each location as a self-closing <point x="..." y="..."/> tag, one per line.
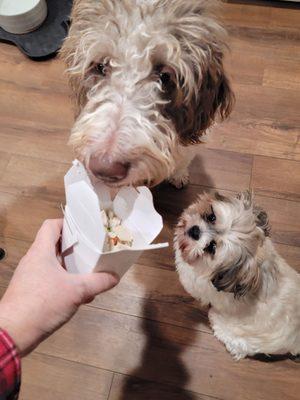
<point x="101" y="233"/>
<point x="118" y="236"/>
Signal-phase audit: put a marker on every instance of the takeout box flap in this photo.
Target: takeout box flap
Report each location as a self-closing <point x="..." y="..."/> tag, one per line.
<point x="75" y="174"/>
<point x="83" y="205"/>
<point x="69" y="237"/>
<point x="135" y="208"/>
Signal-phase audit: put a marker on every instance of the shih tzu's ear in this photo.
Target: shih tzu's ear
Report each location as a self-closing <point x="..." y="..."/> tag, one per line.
<point x="262" y="220"/>
<point x="240" y="279"/>
<point x="246" y="198"/>
<point x="220" y="197"/>
<point x="261" y="217"/>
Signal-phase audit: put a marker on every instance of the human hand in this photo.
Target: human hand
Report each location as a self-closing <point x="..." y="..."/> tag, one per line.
<point x="42" y="296"/>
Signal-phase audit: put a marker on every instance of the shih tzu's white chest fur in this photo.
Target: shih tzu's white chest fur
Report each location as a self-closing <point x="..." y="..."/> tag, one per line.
<point x="268" y="323"/>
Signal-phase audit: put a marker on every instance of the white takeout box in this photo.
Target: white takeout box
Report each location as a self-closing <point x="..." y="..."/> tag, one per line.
<point x="84" y="234"/>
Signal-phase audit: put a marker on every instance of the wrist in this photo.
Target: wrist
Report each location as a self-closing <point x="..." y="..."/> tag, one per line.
<point x="19" y="328"/>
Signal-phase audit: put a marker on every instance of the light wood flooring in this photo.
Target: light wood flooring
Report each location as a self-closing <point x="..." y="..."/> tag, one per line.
<point x="147" y="339"/>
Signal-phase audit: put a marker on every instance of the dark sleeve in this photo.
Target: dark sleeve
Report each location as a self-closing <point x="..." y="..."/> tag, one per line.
<point x="10" y="368"/>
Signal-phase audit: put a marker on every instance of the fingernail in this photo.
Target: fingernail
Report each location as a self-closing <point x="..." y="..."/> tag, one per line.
<point x="115" y="278"/>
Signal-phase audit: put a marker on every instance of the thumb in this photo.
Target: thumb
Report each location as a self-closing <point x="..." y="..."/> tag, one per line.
<point x="96" y="283"/>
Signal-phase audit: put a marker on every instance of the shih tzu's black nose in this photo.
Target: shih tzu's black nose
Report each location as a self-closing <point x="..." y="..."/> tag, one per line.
<point x="194" y="232"/>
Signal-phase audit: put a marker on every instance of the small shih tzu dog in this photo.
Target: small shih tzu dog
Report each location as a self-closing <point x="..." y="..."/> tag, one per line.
<point x="148" y="80"/>
<point x="225" y="259"/>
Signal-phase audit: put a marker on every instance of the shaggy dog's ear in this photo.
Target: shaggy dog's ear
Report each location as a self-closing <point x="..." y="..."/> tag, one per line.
<point x="240" y="279"/>
<point x="80" y="38"/>
<point x="201" y="70"/>
<point x="215" y="96"/>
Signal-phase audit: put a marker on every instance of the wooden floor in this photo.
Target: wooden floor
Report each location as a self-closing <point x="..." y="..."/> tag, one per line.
<point x="147" y="339"/>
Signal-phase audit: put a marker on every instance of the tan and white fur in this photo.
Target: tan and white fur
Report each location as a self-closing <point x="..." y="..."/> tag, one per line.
<point x="225" y="259"/>
<point x="148" y="81"/>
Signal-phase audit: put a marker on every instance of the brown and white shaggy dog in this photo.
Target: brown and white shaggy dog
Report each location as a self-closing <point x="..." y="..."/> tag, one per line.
<point x="148" y="81"/>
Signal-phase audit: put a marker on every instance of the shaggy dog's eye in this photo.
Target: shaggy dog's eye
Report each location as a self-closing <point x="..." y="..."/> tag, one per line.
<point x="211" y="248"/>
<point x="101" y="69"/>
<point x="211" y="217"/>
<point x="165" y="78"/>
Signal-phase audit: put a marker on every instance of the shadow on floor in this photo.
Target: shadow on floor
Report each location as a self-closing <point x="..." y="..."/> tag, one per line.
<point x="161" y="362"/>
<point x="162" y="374"/>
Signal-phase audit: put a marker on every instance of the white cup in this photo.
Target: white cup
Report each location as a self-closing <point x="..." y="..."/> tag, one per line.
<point x="22" y="16"/>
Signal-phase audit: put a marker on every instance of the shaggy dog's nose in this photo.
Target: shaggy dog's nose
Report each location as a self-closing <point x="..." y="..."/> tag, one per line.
<point x="108" y="169"/>
<point x="194" y="232"/>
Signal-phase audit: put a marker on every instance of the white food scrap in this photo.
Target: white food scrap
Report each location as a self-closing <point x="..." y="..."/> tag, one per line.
<point x="118" y="236"/>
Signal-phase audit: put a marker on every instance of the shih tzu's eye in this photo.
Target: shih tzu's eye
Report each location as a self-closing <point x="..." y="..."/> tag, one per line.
<point x="211" y="217"/>
<point x="211" y="248"/>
